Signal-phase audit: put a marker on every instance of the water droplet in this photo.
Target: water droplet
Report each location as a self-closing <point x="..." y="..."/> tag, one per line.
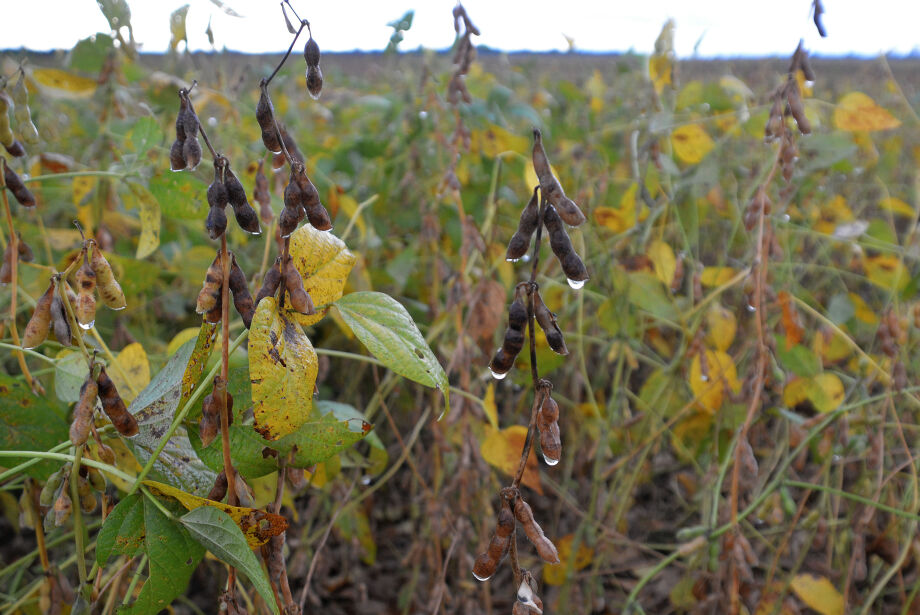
<point x="809" y="83"/>
<point x="836" y="458"/>
<point x="526" y="258"/>
<point x="512" y="260"/>
<point x="441" y="416"/>
<point x="258" y="232"/>
<point x="88" y="326"/>
<point x="366" y="480"/>
<point x="314" y="96"/>
<point x="118" y="309"/>
<point x="786" y="218"/>
<point x="479" y="578"/>
<point x="497" y="376"/>
<point x="212" y="121"/>
<point x="576" y="284"/>
<point x="704" y="377"/>
<point x="328" y="230"/>
<point x="422" y="115"/>
<point x="751" y="308"/>
<point x="550" y="462"/>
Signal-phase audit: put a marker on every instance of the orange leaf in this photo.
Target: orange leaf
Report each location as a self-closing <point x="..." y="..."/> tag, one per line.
<point x="792" y="324"/>
<point x="502" y="449"/>
<point x="857" y="112"/>
<point x="555" y="574"/>
<point x="818" y="593"/>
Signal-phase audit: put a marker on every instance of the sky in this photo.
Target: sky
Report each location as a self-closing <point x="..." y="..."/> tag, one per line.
<point x="705" y="28"/>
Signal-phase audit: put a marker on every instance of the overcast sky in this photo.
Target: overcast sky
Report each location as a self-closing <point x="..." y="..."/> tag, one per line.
<point x="711" y="27"/>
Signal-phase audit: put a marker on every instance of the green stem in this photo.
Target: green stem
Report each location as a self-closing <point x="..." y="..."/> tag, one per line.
<point x="135" y="579"/>
<point x="180" y="416"/>
<point x="53" y="176"/>
<point x="75" y="459"/>
<point x="157" y="503"/>
<point x="31" y="353"/>
<point x="78" y="528"/>
<point x="856" y="498"/>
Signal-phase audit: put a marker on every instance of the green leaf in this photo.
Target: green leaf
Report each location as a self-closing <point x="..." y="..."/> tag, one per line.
<point x="89" y="54"/>
<point x="123" y="530"/>
<point x="69" y="374"/>
<point x="245" y="451"/>
<point x="173" y="557"/>
<point x="798" y="359"/>
<point x="323" y="436"/>
<point x="216" y="531"/>
<point x="647" y="293"/>
<point x="386" y="329"/>
<point x="181" y="195"/>
<point x="29" y="423"/>
<point x="144" y="134"/>
<point x="154" y="409"/>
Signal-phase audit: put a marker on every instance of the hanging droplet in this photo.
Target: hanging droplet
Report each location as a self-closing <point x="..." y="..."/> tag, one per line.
<point x="526" y="258"/>
<point x="479" y="578"/>
<point x="497" y="376"/>
<point x="751" y="308"/>
<point x="549" y="461"/>
<point x="704" y="377"/>
<point x="118" y="309"/>
<point x="512" y="260"/>
<point x="576" y="284"/>
<point x="87" y="326"/>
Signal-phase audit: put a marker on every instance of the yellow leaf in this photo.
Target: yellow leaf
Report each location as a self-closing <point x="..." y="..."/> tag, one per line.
<point x="691" y="143"/>
<point x="861" y="310"/>
<point x="709" y="386"/>
<point x="530" y="176"/>
<point x="797" y="391"/>
<point x="283" y="368"/>
<point x="721" y="327"/>
<point x="830" y="346"/>
<point x="830" y="214"/>
<point x="495" y="140"/>
<point x="82" y="186"/>
<point x="896" y="205"/>
<point x="488" y="405"/>
<point x="857" y="112"/>
<point x="61" y="84"/>
<point x="177" y="27"/>
<point x="257" y="525"/>
<point x="818" y="593"/>
<point x="131" y="372"/>
<point x="625" y="216"/>
<point x="661" y="62"/>
<point x="555" y="574"/>
<point x="502" y="449"/>
<point x="596" y="88"/>
<point x="716" y="276"/>
<point x="350" y="206"/>
<point x="124" y="461"/>
<point x="149" y="212"/>
<point x="824" y="391"/>
<point x="887" y="271"/>
<point x="662" y="257"/>
<point x="324" y="261"/>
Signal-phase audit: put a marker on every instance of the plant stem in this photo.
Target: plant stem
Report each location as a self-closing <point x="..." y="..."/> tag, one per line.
<point x="78" y="528"/>
<point x="303" y="24"/>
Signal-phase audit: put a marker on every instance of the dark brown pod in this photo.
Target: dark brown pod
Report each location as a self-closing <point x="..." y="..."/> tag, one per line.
<point x="549" y="411"/>
<point x="545" y="548"/>
<point x="189" y="120"/>
<point x="181" y="117"/>
<point x="488" y="561"/>
<point x="310" y="195"/>
<point x="242" y="299"/>
<point x="574" y="269"/>
<point x="15" y="149"/>
<point x="293" y="195"/>
<point x="209" y="426"/>
<point x="562" y="247"/>
<point x="270" y="282"/>
<point x="109" y="288"/>
<point x="236" y="194"/>
<point x="60" y="326"/>
<point x="314" y="81"/>
<point x="191" y="150"/>
<point x="503" y="360"/>
<point x="177" y="161"/>
<point x="550" y="186"/>
<point x="298" y="298"/>
<point x="63" y="506"/>
<point x="265" y="115"/>
<point x="217" y="191"/>
<point x="530" y="219"/>
<point x="37" y="330"/>
<point x="319" y="218"/>
<point x="209" y="296"/>
<point x="214" y="315"/>
<point x="550" y="440"/>
<point x="25" y="252"/>
<point x="517" y="313"/>
<point x="22" y="194"/>
<point x="216" y="223"/>
<point x="6" y="269"/>
<point x="114" y="406"/>
<point x="311" y="52"/>
<point x="247" y="218"/>
<point x="547" y="322"/>
<point x="797" y="108"/>
<point x="219" y="490"/>
<point x="83" y="412"/>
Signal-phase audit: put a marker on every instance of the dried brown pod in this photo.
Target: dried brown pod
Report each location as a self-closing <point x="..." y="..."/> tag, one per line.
<point x="219" y="490"/>
<point x="547" y="322"/>
<point x="265" y="115"/>
<point x="96" y="479"/>
<point x="215" y="314"/>
<point x="517" y="312"/>
<point x="293" y="195"/>
<point x="114" y="406"/>
<point x="189" y="118"/>
<point x="209" y="296"/>
<point x="83" y="412"/>
<point x="60" y="324"/>
<point x="63" y="506"/>
<point x="88" y="502"/>
<point x="314" y="81"/>
<point x="548" y="426"/>
<point x="217" y="191"/>
<point x="262" y="195"/>
<point x="503" y="360"/>
<point x="105" y="453"/>
<point x="552" y="191"/>
<point x="209" y="426"/>
<point x="273" y="554"/>
<point x="311" y="52"/>
<point x="545" y="547"/>
<point x="16" y="149"/>
<point x="561" y="245"/>
<point x="191" y="151"/>
<point x="109" y="288"/>
<point x="797" y="108"/>
<point x="319" y="217"/>
<point x="6" y="269"/>
<point x="22" y="194"/>
<point x="37" y="330"/>
<point x="85" y="307"/>
<point x="182" y="116"/>
<point x="530" y="220"/>
<point x="25" y="252"/>
<point x="242" y="299"/>
<point x="270" y="282"/>
<point x="298" y="298"/>
<point x="245" y="215"/>
<point x="488" y="561"/>
<point x="309" y="193"/>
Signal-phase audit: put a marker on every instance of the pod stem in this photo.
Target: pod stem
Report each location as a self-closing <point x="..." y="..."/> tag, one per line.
<point x="229" y="471"/>
<point x="14" y="285"/>
<point x="184" y="93"/>
<point x="303" y="24"/>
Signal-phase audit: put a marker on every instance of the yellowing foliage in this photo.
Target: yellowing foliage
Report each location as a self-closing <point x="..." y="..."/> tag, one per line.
<point x="857" y="112"/>
<point x="691" y="143"/>
<point x="502" y="448"/>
